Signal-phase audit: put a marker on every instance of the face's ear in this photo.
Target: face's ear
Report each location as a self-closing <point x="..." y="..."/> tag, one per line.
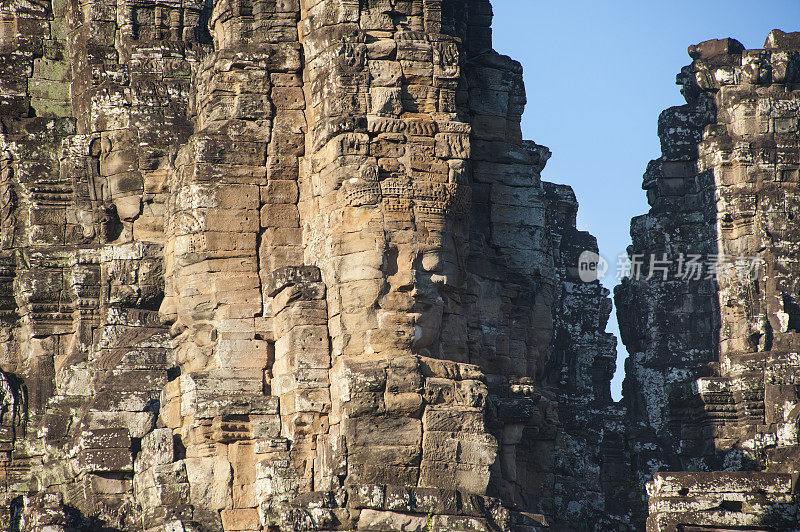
<point x="94" y="147"/>
<point x="432" y="260"/>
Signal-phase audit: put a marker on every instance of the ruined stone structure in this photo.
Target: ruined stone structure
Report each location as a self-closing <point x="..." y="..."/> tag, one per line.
<point x="713" y="379"/>
<point x="289" y="265"/>
<point x="271" y="265"/>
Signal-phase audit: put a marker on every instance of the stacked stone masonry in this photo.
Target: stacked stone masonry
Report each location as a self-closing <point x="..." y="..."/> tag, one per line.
<point x="713" y="378"/>
<point x="270" y="265"/>
<point x="290" y="265"/>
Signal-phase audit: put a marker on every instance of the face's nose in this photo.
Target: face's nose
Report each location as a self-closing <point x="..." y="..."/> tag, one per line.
<point x="168" y="314"/>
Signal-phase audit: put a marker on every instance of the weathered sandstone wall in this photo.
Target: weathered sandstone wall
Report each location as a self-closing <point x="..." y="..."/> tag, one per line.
<point x="289" y="265"/>
<point x="272" y="264"/>
<point x="711" y="384"/>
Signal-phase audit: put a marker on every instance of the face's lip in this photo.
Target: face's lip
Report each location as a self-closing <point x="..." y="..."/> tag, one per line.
<point x="426" y="304"/>
<point x="178" y="329"/>
<point x="423" y="300"/>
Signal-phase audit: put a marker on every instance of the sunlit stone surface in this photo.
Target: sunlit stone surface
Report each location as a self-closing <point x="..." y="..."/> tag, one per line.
<point x="289" y="265"/>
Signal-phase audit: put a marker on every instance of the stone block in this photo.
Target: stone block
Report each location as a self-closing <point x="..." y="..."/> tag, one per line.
<point x="452" y="146"/>
<point x="288" y="98"/>
<point x="290" y="275"/>
<point x="369" y="431"/>
<point x="106" y="460"/>
<point x="373" y="520"/>
<point x="279" y="215"/>
<point x="453" y="419"/>
<point x="303" y="347"/>
<point x="209" y="480"/>
<point x="156" y="449"/>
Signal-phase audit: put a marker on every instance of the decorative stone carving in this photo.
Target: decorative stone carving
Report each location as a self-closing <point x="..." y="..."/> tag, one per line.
<point x="288" y="265"/>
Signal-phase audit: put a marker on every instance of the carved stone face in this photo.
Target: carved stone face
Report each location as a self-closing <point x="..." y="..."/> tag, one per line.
<point x="441" y="268"/>
<point x="421" y="263"/>
<point x="393" y="200"/>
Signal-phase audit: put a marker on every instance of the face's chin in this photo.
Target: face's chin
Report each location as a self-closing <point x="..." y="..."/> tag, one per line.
<point x="427" y="325"/>
<point x="427" y="311"/>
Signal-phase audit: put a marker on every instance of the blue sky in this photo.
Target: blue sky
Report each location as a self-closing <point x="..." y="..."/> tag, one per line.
<point x="597" y="76"/>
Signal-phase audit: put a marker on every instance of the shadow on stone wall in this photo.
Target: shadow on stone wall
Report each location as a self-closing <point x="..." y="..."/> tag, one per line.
<point x="667" y="308"/>
<point x="55" y="516"/>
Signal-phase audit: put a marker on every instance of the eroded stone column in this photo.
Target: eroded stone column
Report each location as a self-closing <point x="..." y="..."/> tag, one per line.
<point x="384" y="203"/>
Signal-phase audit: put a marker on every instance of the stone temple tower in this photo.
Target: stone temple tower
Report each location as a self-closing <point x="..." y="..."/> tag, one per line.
<point x="271" y="264"/>
<point x="289" y="265"/>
